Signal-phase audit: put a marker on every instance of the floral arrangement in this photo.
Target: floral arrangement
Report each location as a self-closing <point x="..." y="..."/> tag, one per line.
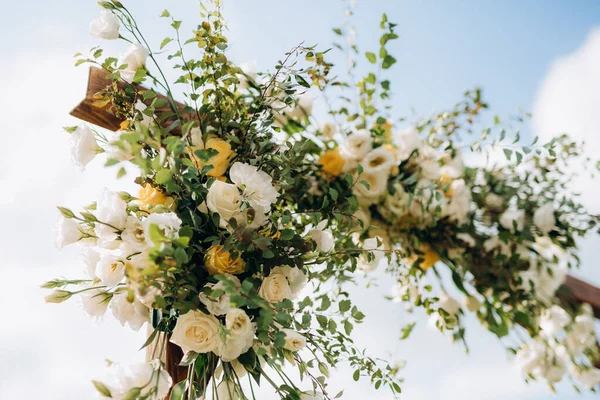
<point x="245" y="199"/>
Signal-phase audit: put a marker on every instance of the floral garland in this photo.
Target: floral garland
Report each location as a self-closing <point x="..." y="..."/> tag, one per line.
<point x="244" y="199"/>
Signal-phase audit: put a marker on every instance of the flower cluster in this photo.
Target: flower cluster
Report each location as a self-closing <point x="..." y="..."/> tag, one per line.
<point x="245" y="202"/>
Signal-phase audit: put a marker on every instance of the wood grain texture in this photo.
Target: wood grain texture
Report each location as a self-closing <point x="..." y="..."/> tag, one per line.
<point x="582" y="292"/>
<point x="100" y="116"/>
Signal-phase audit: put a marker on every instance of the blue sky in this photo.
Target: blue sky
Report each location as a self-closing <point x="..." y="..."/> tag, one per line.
<point x="508" y="48"/>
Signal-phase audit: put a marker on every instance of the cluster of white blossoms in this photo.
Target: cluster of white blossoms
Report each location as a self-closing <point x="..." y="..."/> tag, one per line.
<point x="115" y="239"/>
<point x="144" y="379"/>
<point x="250" y="187"/>
<point x="560" y="348"/>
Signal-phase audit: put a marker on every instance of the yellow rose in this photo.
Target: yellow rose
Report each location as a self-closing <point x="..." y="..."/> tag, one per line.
<point x="332" y="162"/>
<point x="150" y="197"/>
<point x="218" y="261"/>
<point x="428" y="255"/>
<point x="220" y="162"/>
<point x="444" y="181"/>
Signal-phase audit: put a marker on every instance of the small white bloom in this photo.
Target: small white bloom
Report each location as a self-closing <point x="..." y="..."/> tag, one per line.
<point x="328" y="130"/>
<point x="544" y="218"/>
<point x="294" y="341"/>
<point x="105" y="27"/>
<point x="357" y="145"/>
<point x="539" y="360"/>
<point x="407" y="141"/>
<point x="123" y="378"/>
<point x="379" y="161"/>
<point x="323" y="237"/>
<point x="449" y="304"/>
<point x="222" y="304"/>
<point x="512" y="216"/>
<point x="240" y="335"/>
<point x="134" y="58"/>
<point x="283" y="282"/>
<point x="84" y="146"/>
<point x="553" y="320"/>
<point x="134" y="313"/>
<point x="472" y="303"/>
<point x="168" y="225"/>
<point x="375" y="250"/>
<point x="95" y="301"/>
<point x="110" y="269"/>
<point x="256" y="186"/>
<point x="224" y="199"/>
<point x="67" y="232"/>
<point x="133" y="236"/>
<point x="581" y="335"/>
<point x="111" y="211"/>
<point x="376" y="185"/>
<point x="588" y="377"/>
<point x="494" y="202"/>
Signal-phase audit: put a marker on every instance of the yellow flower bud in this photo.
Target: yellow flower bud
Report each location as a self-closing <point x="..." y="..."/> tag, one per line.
<point x="332" y="162"/>
<point x="219" y="162"/>
<point x="150" y="197"/>
<point x="428" y="256"/>
<point x="218" y="261"/>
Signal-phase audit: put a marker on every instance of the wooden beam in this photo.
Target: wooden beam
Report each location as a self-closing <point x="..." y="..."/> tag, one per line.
<point x="582" y="292"/>
<point x="100" y="116"/>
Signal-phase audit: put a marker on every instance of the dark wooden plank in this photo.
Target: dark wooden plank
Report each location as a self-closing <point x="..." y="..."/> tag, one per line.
<point x="99" y="116"/>
<point x="582" y="292"/>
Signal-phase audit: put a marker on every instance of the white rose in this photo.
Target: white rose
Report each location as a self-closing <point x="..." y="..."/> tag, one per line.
<point x="133" y="237"/>
<point x="453" y="167"/>
<point x="84" y="146"/>
<point x="357" y="145"/>
<point x="323" y="238"/>
<point x="275" y="288"/>
<point x="544" y="219"/>
<point x="168" y="224"/>
<point x="123" y="378"/>
<point x="222" y="304"/>
<point x="110" y="269"/>
<point x="370" y="264"/>
<point x="397" y="203"/>
<point x="67" y="232"/>
<point x="407" y="141"/>
<point x="111" y="211"/>
<point x="449" y="304"/>
<point x="588" y="377"/>
<point x="135" y="58"/>
<point x="105" y="27"/>
<point x="94" y="300"/>
<point x="553" y="320"/>
<point x="134" y="313"/>
<point x="531" y="357"/>
<point x="379" y="161"/>
<point x="223" y="199"/>
<point x="509" y="217"/>
<point x="293" y="340"/>
<point x="256" y="186"/>
<point x="196" y="331"/>
<point x="295" y="277"/>
<point x="240" y="335"/>
<point x="370" y="194"/>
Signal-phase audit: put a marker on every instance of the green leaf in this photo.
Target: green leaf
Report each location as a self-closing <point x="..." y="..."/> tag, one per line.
<point x="165" y="14"/>
<point x="178" y="391"/>
<point x="371" y="57"/>
<point x="165" y="42"/>
<point x="356" y="375"/>
<point x="387" y="62"/>
<point x="188" y="359"/>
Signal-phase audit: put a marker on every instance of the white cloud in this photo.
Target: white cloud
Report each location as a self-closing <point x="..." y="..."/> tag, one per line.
<point x="568" y="101"/>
